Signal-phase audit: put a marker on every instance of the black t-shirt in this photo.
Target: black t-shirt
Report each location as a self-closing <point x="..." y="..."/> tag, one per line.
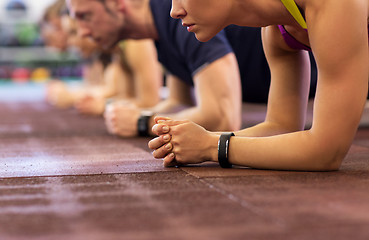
<point x="254" y="70"/>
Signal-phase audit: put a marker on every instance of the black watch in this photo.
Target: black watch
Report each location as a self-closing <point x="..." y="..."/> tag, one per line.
<point x="143" y="123"/>
<point x="223" y="148"/>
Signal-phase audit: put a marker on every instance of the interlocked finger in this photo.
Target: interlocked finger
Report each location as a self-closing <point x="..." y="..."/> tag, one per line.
<point x="163" y="151"/>
<point x="159" y="141"/>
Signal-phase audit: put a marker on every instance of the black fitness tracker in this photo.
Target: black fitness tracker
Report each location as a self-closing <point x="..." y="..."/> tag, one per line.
<point x="223" y="146"/>
<point x="143" y="123"/>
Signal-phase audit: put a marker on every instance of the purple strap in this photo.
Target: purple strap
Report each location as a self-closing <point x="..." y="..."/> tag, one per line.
<point x="291" y="41"/>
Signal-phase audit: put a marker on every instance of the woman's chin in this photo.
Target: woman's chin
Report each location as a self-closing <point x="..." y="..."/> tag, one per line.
<point x="203" y="37"/>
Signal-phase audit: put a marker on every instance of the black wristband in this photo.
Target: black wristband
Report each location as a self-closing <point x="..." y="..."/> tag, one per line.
<point x="143" y="124"/>
<point x="223" y="146"/>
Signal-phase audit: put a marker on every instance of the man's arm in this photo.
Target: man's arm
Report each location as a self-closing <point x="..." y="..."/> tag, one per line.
<point x="179" y="96"/>
<point x="218" y="97"/>
<point x="147" y="73"/>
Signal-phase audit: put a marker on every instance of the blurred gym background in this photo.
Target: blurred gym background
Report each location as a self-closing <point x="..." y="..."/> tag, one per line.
<point x="24" y="58"/>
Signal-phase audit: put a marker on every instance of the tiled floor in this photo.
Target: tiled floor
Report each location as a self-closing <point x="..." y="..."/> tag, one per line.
<point x="63" y="177"/>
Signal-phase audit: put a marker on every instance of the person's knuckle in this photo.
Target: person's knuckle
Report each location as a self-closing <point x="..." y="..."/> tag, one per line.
<point x="178" y="150"/>
<point x="179" y="158"/>
<point x="174" y="141"/>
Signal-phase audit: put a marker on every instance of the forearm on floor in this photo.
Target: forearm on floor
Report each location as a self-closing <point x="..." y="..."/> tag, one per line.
<point x="301" y="151"/>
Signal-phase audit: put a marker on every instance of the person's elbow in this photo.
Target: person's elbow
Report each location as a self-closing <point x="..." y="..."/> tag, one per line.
<point x="331" y="162"/>
<point x="330" y="154"/>
<point x="228" y="119"/>
<point x="232" y="124"/>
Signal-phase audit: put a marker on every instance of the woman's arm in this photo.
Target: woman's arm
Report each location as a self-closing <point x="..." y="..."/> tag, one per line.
<point x="342" y="60"/>
<point x="341" y="53"/>
<point x="289" y="89"/>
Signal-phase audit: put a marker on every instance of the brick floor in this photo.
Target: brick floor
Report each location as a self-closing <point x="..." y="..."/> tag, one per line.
<point x="63" y="177"/>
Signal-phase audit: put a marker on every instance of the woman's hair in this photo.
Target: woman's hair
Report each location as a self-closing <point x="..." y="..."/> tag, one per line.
<point x="57" y="9"/>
